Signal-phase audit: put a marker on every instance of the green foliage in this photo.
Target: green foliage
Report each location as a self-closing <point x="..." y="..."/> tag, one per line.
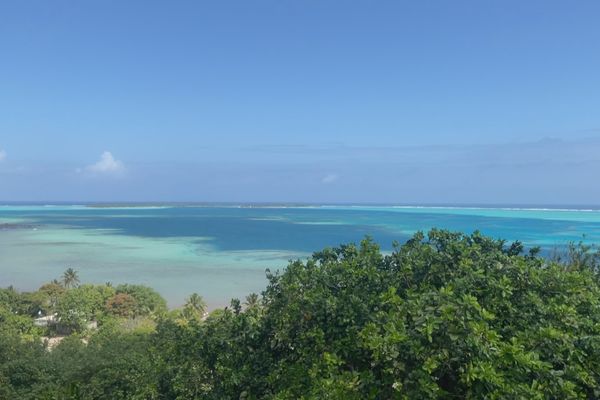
<point x="10" y="298"/>
<point x="16" y="324"/>
<point x="112" y="367"/>
<point x="252" y="301"/>
<point x="70" y="278"/>
<point x="148" y="301"/>
<point x="194" y="307"/>
<point x="447" y="316"/>
<point x="21" y="303"/>
<point x="193" y="359"/>
<point x="122" y="305"/>
<point x="50" y="295"/>
<point x="443" y="316"/>
<point x="24" y="371"/>
<point x="83" y="304"/>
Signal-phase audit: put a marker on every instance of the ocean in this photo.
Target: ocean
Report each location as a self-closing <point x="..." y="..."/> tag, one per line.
<point x="222" y="252"/>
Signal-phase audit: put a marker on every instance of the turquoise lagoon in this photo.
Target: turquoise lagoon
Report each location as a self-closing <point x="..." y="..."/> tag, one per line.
<point x="222" y="252"/>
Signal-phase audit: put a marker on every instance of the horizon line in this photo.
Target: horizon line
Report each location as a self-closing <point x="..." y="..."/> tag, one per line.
<point x="517" y="206"/>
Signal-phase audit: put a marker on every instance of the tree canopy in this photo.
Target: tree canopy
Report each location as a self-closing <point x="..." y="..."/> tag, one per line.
<point x="444" y="316"/>
<point x="147" y="300"/>
<point x="70" y="278"/>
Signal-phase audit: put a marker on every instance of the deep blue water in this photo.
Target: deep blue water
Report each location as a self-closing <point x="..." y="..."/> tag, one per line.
<point x="222" y="252"/>
<point x="310" y="229"/>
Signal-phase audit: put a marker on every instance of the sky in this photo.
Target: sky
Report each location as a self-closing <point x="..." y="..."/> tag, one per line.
<point x="407" y="102"/>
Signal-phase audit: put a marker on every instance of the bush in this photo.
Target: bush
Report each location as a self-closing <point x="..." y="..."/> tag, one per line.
<point x="447" y="316"/>
<point x="122" y="305"/>
<point x="442" y="317"/>
<point x="148" y="301"/>
<point x="83" y="304"/>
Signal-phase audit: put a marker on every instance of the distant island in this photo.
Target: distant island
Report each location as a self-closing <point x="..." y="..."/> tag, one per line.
<point x="134" y="204"/>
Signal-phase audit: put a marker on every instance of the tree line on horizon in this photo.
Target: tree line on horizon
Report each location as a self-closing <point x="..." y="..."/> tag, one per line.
<point x="446" y="315"/>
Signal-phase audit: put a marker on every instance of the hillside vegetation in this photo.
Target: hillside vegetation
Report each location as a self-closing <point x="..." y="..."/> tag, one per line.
<point x="444" y="316"/>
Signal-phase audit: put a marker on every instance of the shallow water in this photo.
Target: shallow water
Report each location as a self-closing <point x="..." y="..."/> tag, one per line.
<point x="222" y="252"/>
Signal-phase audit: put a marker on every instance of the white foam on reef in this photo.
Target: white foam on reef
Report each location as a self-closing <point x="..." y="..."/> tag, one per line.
<point x="384" y="207"/>
<point x="584" y="215"/>
<point x="500" y="208"/>
<point x="129" y="207"/>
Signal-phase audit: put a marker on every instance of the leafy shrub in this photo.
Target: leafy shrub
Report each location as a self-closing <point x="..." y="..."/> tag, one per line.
<point x="148" y="301"/>
<point x="443" y="316"/>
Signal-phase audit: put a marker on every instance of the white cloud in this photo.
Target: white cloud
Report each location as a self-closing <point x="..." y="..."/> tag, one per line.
<point x="106" y="165"/>
<point x="329" y="178"/>
<point x="2" y="155"/>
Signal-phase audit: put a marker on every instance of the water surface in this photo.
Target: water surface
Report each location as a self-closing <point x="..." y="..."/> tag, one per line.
<point x="222" y="252"/>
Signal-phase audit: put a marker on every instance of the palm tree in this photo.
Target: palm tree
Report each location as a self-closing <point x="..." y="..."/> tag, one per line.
<point x="70" y="278"/>
<point x="251" y="300"/>
<point x="195" y="306"/>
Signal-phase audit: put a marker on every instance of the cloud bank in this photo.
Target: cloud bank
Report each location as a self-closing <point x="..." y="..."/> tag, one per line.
<point x="542" y="172"/>
<point x="106" y="165"/>
<point x="2" y="155"/>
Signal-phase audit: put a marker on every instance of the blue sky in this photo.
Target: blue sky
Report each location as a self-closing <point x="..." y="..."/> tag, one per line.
<point x="311" y="101"/>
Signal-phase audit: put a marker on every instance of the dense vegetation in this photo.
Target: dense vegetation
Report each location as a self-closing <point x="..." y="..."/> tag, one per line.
<point x="444" y="316"/>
